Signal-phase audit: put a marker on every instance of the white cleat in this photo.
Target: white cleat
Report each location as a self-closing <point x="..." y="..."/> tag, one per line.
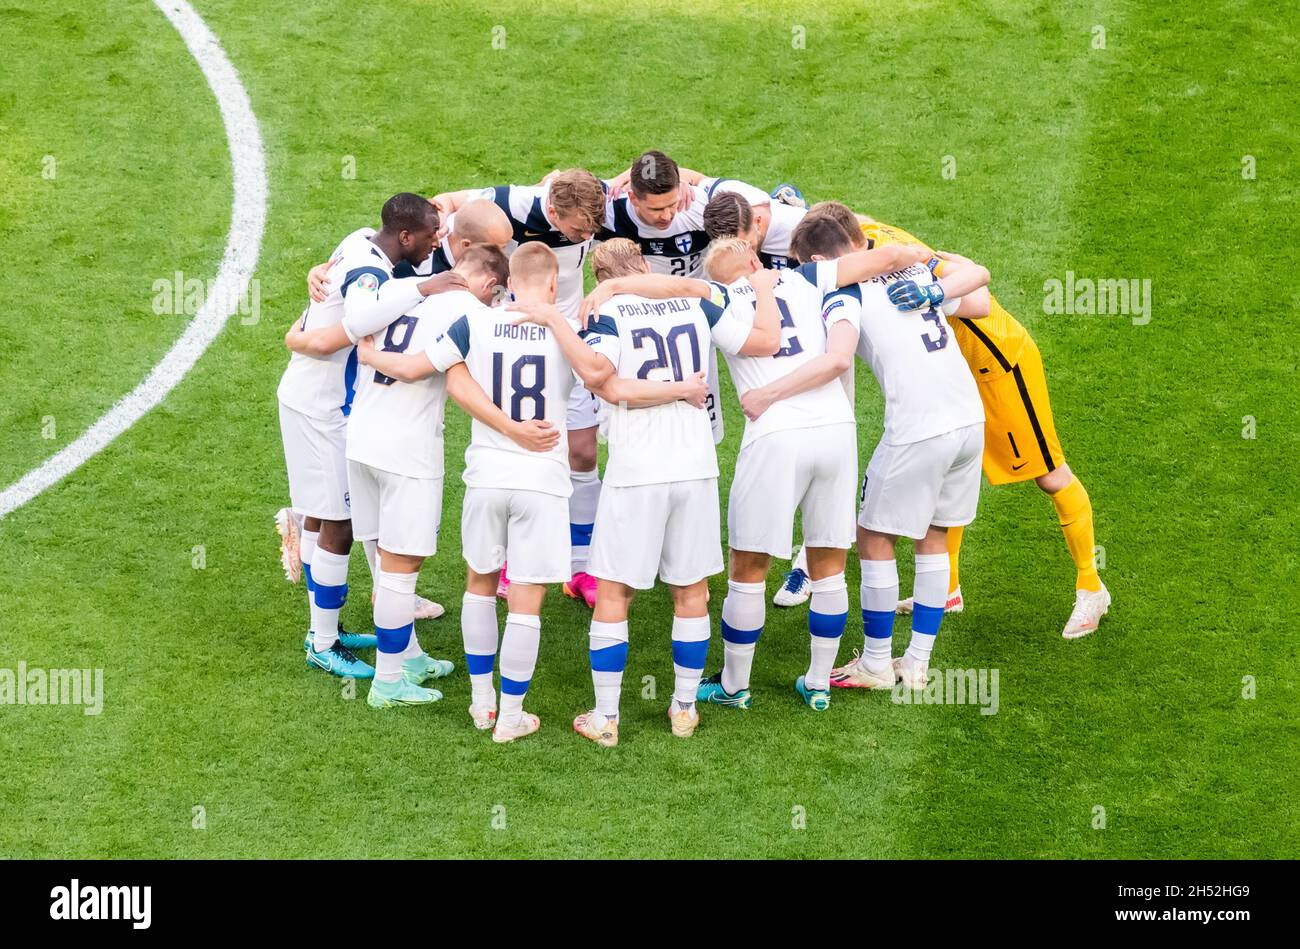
<point x="955" y="603"/>
<point x="795" y="589"/>
<point x="527" y="724"/>
<point x="484" y="718"/>
<point x="855" y="675"/>
<point x="427" y="609"/>
<point x="913" y="674"/>
<point x="1089" y="607"/>
<point x="684" y="721"/>
<point x="290" y="531"/>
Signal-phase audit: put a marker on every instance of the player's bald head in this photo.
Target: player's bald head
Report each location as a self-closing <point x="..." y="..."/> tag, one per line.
<point x="843" y="215"/>
<point x="820" y="236"/>
<point x="729" y="259"/>
<point x="481" y="222"/>
<point x="617" y="258"/>
<point x="533" y="266"/>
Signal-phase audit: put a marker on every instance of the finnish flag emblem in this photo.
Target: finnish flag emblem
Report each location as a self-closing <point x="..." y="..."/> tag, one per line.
<point x="683" y="242"/>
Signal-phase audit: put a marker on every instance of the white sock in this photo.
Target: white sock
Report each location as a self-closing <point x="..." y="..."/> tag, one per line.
<point x="800" y="560"/>
<point x="879" y="597"/>
<point x="582" y="515"/>
<point x="519" y="645"/>
<point x="478" y="630"/>
<point x="929" y="596"/>
<point x="828" y="614"/>
<point x="743" y="613"/>
<point x="329" y="575"/>
<point x="371" y="547"/>
<point x="690" y="649"/>
<point x="608" y="660"/>
<point x="394" y="622"/>
<point x="306" y="549"/>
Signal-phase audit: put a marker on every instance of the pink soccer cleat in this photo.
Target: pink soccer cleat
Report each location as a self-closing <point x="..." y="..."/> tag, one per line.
<point x="582" y="587"/>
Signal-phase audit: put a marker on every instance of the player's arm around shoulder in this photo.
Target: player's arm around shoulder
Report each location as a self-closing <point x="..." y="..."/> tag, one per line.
<point x="318" y="342"/>
<point x="764" y="338"/>
<point x="865" y="264"/>
<point x="404" y="367"/>
<point x="533" y="435"/>
<point x="592" y="368"/>
<point x="963" y="278"/>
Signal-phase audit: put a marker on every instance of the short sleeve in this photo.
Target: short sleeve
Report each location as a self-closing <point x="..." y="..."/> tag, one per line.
<point x="728" y="330"/>
<point x="450" y="347"/>
<point x="602" y="336"/>
<point x="843" y="305"/>
<point x="822" y="274"/>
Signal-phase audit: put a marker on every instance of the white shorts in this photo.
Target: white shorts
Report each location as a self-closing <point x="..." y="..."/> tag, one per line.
<point x="314" y="456"/>
<point x="812" y="470"/>
<point x="584" y="412"/>
<point x="402" y="513"/>
<point x="669" y="529"/>
<point x="528" y="528"/>
<point x="935" y="481"/>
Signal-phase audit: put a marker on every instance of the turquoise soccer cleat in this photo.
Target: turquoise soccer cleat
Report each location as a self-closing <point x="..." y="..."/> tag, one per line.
<point x="819" y="700"/>
<point x="711" y="690"/>
<point x="353" y="641"/>
<point x="401" y="692"/>
<point x="422" y="668"/>
<point x="340" y="661"/>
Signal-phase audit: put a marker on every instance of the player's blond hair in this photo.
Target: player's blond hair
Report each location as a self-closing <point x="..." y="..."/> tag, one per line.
<point x="844" y="216"/>
<point x="576" y="191"/>
<point x="726" y="257"/>
<point x="617" y="258"/>
<point x="533" y="264"/>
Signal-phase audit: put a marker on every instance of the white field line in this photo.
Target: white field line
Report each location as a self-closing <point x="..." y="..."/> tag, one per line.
<point x="243" y="246"/>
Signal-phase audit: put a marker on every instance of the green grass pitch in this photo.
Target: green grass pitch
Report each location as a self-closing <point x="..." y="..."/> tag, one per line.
<point x="1109" y="139"/>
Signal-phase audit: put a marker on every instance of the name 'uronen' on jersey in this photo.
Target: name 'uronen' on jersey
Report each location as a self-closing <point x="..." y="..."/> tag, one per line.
<point x="397" y="426"/>
<point x="928" y="388"/>
<point x="524" y="372"/>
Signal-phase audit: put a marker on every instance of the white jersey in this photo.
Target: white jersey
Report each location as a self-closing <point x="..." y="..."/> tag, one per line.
<point x="525" y="206"/>
<point x="928" y="387"/>
<point x="397" y="426"/>
<point x="783" y="219"/>
<point x="324" y="387"/>
<point x="803" y="338"/>
<point x="660" y="340"/>
<point x="677" y="250"/>
<point x="524" y="372"/>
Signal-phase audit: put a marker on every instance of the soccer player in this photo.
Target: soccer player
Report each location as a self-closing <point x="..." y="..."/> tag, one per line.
<point x="1020" y="440"/>
<point x="923" y="477"/>
<point x="798" y="454"/>
<point x="316" y="396"/>
<point x="658" y="512"/>
<point x="395" y="468"/>
<point x="736" y="209"/>
<point x="564" y="212"/>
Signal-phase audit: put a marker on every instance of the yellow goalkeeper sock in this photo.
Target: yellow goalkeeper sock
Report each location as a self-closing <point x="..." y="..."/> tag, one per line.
<point x="954" y="555"/>
<point x="1074" y="511"/>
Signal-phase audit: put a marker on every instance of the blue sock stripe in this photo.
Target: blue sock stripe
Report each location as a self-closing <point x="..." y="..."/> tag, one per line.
<point x="926" y="619"/>
<point x="394" y="640"/>
<point x="609" y="659"/>
<point x="330" y="597"/>
<point x="740" y="637"/>
<point x="827" y="625"/>
<point x="580" y="535"/>
<point x="480" y="664"/>
<point x="306" y="572"/>
<point x="514" y="686"/>
<point x="879" y="624"/>
<point x="690" y="654"/>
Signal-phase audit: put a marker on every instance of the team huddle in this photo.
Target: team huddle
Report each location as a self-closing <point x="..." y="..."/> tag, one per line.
<point x="478" y="295"/>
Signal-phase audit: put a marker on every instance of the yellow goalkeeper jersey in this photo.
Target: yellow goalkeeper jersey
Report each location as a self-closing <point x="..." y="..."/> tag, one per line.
<point x="990" y="346"/>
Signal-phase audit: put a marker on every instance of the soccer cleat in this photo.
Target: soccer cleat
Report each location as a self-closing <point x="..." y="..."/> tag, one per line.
<point x="427" y="609"/>
<point x="582" y="587"/>
<point x="503" y="584"/>
<point x="353" y="641"/>
<point x="819" y="700"/>
<point x="420" y="669"/>
<point x="606" y="736"/>
<point x="913" y="674"/>
<point x="955" y="603"/>
<point x="684" y="721"/>
<point x="527" y="724"/>
<point x="339" y="660"/>
<point x="711" y="691"/>
<point x="401" y="692"/>
<point x="787" y="193"/>
<point x="290" y="539"/>
<point x="795" y="589"/>
<point x="855" y="675"/>
<point x="1089" y="607"/>
<point x="484" y="718"/>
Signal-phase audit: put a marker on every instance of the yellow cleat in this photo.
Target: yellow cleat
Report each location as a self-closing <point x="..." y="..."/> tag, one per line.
<point x="606" y="736"/>
<point x="684" y="721"/>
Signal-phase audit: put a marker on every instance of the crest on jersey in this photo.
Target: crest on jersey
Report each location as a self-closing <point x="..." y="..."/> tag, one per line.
<point x="368" y="283"/>
<point x="656" y="247"/>
<point x="683" y="242"/>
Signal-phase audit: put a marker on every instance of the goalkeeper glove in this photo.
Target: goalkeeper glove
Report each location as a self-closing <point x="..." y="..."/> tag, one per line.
<point x="907" y="295"/>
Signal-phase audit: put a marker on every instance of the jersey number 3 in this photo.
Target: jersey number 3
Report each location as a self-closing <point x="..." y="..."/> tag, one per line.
<point x="932" y="344"/>
<point x="534" y="390"/>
